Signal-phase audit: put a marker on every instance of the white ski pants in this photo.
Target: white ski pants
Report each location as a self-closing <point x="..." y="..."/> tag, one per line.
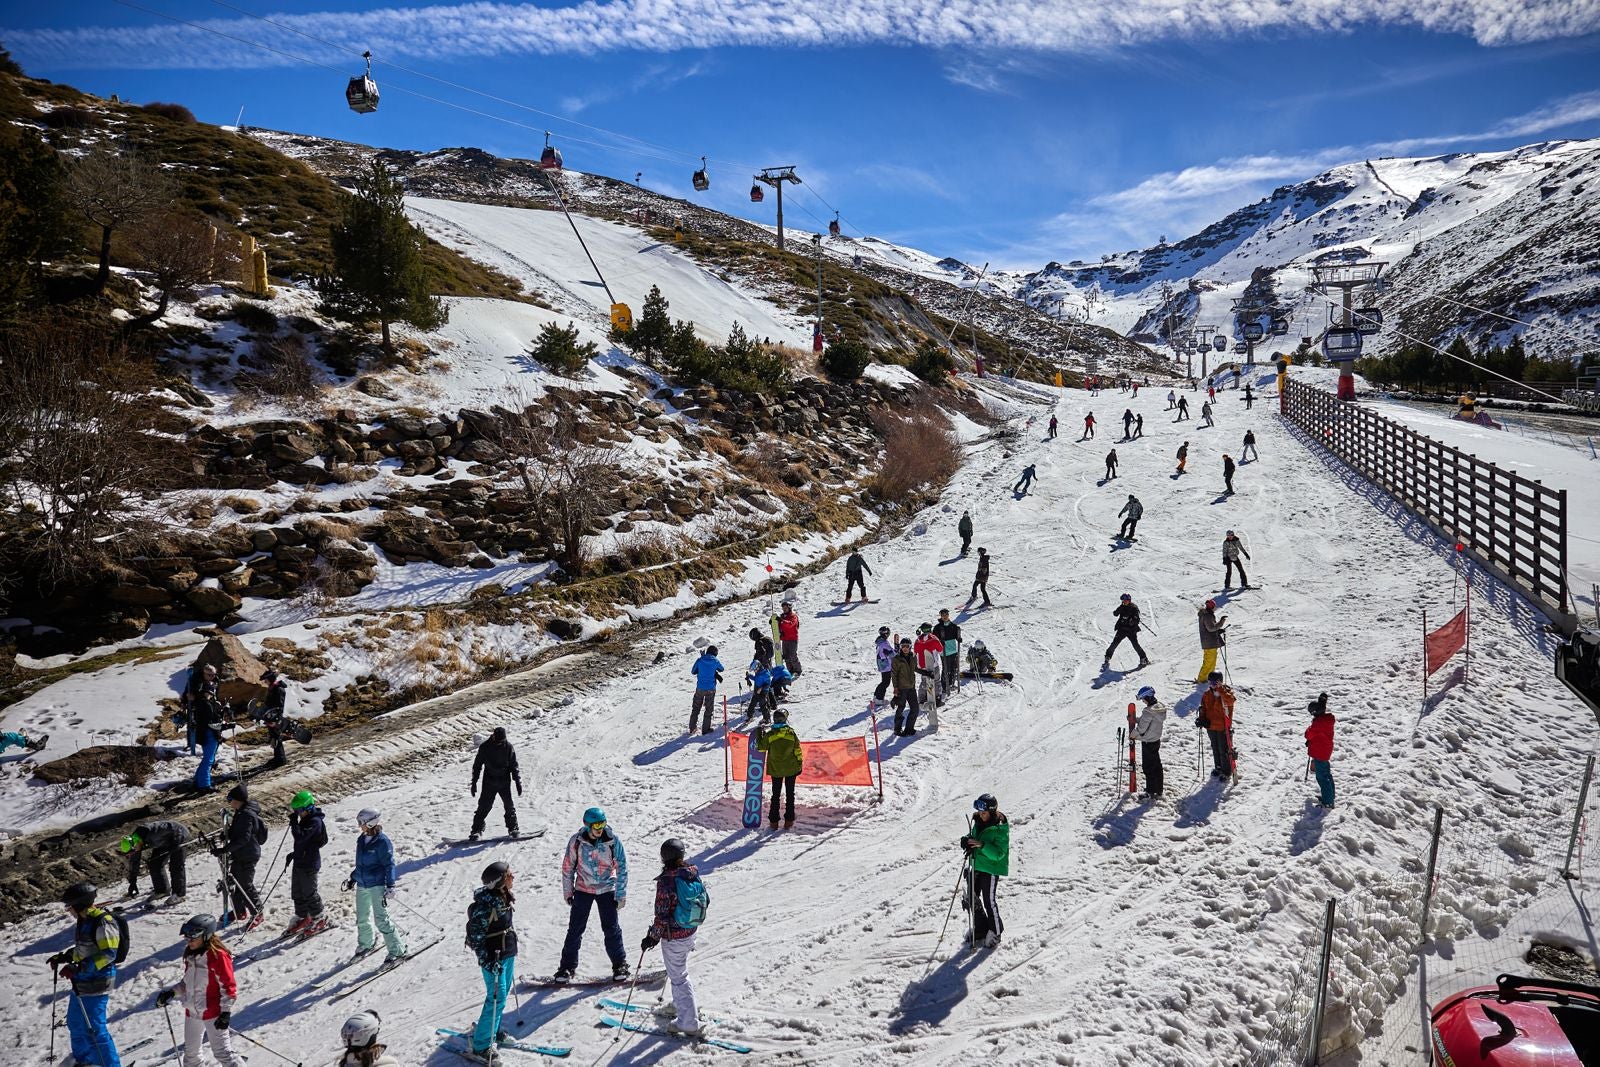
<point x="675" y="955"/>
<point x="197" y="1031"/>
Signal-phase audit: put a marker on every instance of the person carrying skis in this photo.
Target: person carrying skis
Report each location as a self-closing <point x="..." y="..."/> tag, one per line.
<point x="1088" y="427"/>
<point x="964" y="528"/>
<point x="980" y="661"/>
<point x="784" y="764"/>
<point x="309" y="831"/>
<point x="1134" y="511"/>
<point x="594" y="874"/>
<point x="1023" y="483"/>
<point x="1053" y="425"/>
<point x="884" y="653"/>
<point x="1227" y="473"/>
<point x="855" y="571"/>
<point x="497" y="762"/>
<point x="1138" y="426"/>
<point x="1212" y="637"/>
<point x="8" y="738"/>
<point x="1319" y="747"/>
<point x="1231" y="550"/>
<point x="1183" y="409"/>
<point x="372" y="878"/>
<point x="930" y="666"/>
<point x="1249" y="452"/>
<point x="1183" y="456"/>
<point x="160" y="845"/>
<point x="361" y="1049"/>
<point x="681" y="903"/>
<point x="981" y="581"/>
<point x="903" y="672"/>
<point x="948" y="631"/>
<point x="492" y="935"/>
<point x="762" y="651"/>
<point x="789" y="634"/>
<point x="239" y="853"/>
<point x="707" y="672"/>
<point x="1216" y="718"/>
<point x="1111" y="465"/>
<point x="207" y="991"/>
<point x="271" y="711"/>
<point x="1127" y="629"/>
<point x="1172" y="399"/>
<point x="90" y="964"/>
<point x="988" y="848"/>
<point x="1147" y="731"/>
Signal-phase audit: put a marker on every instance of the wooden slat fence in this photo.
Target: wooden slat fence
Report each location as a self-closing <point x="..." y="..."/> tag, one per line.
<point x="1514" y="526"/>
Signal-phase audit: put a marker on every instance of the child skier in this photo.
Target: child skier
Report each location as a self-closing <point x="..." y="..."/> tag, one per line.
<point x="980" y="661"/>
<point x="594" y="873"/>
<point x="707" y="672"/>
<point x="361" y="1049"/>
<point x="91" y="966"/>
<point x="884" y="656"/>
<point x="761" y="700"/>
<point x="1216" y="718"/>
<point x="206" y="991"/>
<point x="681" y="903"/>
<point x="1319" y="747"/>
<point x="1147" y="731"/>
<point x="492" y="934"/>
<point x="988" y="848"/>
<point x="784" y="763"/>
<point x="373" y="880"/>
<point x="309" y="832"/>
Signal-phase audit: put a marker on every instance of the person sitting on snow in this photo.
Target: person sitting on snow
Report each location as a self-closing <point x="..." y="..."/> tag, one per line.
<point x="980" y="660"/>
<point x="21" y="740"/>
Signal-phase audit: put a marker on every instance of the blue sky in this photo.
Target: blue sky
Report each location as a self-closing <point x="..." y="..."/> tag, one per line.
<point x="1014" y="131"/>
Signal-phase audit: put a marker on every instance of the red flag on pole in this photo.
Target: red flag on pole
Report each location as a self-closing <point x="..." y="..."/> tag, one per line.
<point x="1446" y="641"/>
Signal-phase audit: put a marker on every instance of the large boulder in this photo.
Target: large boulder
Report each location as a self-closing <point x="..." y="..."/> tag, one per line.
<point x="212" y="600"/>
<point x="238" y="671"/>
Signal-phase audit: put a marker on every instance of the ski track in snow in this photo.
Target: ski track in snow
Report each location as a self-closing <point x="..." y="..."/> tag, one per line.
<point x="1135" y="934"/>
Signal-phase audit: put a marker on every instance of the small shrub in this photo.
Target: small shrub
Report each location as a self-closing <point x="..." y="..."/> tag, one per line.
<point x="846" y="360"/>
<point x="175" y="112"/>
<point x="920" y="453"/>
<point x="254" y="317"/>
<point x="933" y="363"/>
<point x="558" y="348"/>
<point x="283" y="368"/>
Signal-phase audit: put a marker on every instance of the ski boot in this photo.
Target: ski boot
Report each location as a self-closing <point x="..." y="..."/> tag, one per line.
<point x="254" y="921"/>
<point x="514" y="833"/>
<point x="315" y="926"/>
<point x="562" y="977"/>
<point x="620" y="972"/>
<point x="296" y="927"/>
<point x="474" y="835"/>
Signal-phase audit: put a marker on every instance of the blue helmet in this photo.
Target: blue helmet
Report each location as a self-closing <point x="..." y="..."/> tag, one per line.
<point x="593" y="816"/>
<point x="1147" y="693"/>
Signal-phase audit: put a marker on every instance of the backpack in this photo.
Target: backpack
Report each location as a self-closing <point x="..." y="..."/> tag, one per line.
<point x="116" y="915"/>
<point x="693" y="901"/>
<point x="261" y="831"/>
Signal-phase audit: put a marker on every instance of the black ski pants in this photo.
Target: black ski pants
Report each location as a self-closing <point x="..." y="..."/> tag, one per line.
<point x="1219" y="751"/>
<point x="980" y="584"/>
<point x="704" y="699"/>
<point x="1155" y="776"/>
<point x="985" y="909"/>
<point x="966" y="542"/>
<point x="1244" y="579"/>
<point x="167" y="874"/>
<point x="242" y="885"/>
<point x="850" y="585"/>
<point x="952" y="671"/>
<point x="883" y="686"/>
<point x="303" y="888"/>
<point x="1227" y="480"/>
<point x="1129" y="526"/>
<point x="903" y="723"/>
<point x="782" y="788"/>
<point x="1111" y="471"/>
<point x="1132" y="639"/>
<point x="486" y="796"/>
<point x="791" y="657"/>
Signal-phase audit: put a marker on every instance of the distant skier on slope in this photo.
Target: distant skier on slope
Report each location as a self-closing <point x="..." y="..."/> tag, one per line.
<point x="1227" y="473"/>
<point x="1126" y="629"/>
<point x="1023" y="483"/>
<point x="1249" y="452"/>
<point x="594" y="874"/>
<point x="1183" y="409"/>
<point x="883" y="652"/>
<point x="1216" y="718"/>
<point x="1053" y="426"/>
<point x="1212" y="637"/>
<point x="497" y="762"/>
<point x="1138" y="426"/>
<point x="492" y="937"/>
<point x="1127" y="424"/>
<point x="1111" y="465"/>
<point x="964" y="528"/>
<point x="1205" y="413"/>
<point x="1183" y="456"/>
<point x="239" y="853"/>
<point x="1232" y="549"/>
<point x="981" y="580"/>
<point x="855" y="571"/>
<point x="1249" y="397"/>
<point x="1172" y="399"/>
<point x="1319" y="747"/>
<point x="1147" y="731"/>
<point x="1088" y="427"/>
<point x="988" y="849"/>
<point x="1134" y="512"/>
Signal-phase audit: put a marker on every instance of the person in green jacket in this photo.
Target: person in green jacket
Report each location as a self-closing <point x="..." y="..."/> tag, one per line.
<point x="988" y="848"/>
<point x="782" y="746"/>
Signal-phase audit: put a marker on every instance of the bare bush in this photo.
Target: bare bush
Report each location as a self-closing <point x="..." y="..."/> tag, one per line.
<point x="920" y="453"/>
<point x="283" y="368"/>
<point x="566" y="480"/>
<point x="180" y="250"/>
<point x="114" y="189"/>
<point x="175" y="112"/>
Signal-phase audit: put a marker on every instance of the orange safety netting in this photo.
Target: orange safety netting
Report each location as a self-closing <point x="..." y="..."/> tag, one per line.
<point x="1444" y="642"/>
<point x="842" y="761"/>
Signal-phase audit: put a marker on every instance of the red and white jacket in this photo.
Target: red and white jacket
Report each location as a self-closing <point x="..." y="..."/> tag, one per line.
<point x="207" y="988"/>
<point x="930" y="651"/>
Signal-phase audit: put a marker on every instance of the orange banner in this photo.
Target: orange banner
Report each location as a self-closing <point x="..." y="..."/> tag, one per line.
<point x="841" y="761"/>
<point x="1446" y="641"/>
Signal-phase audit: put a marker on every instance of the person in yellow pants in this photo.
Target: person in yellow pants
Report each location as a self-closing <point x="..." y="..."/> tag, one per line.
<point x="1212" y="637"/>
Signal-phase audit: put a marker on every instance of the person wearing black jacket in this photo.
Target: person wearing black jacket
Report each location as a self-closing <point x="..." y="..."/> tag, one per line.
<point x="310" y="834"/>
<point x="981" y="580"/>
<point x="763" y="646"/>
<point x="240" y="851"/>
<point x="160" y="845"/>
<point x="855" y="571"/>
<point x="271" y="713"/>
<point x="497" y="762"/>
<point x="949" y="631"/>
<point x="1127" y="629"/>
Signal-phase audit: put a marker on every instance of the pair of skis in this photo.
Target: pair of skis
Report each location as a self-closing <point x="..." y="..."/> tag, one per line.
<point x="459" y="1042"/>
<point x="626" y="1017"/>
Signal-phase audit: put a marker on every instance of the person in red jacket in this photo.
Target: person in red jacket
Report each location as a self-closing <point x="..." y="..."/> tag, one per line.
<point x="206" y="991"/>
<point x="930" y="665"/>
<point x="789" y="634"/>
<point x="1319" y="746"/>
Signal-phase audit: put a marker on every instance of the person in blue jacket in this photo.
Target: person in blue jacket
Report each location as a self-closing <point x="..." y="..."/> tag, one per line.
<point x="707" y="671"/>
<point x="781" y="677"/>
<point x="761" y="693"/>
<point x="373" y="881"/>
<point x="91" y="966"/>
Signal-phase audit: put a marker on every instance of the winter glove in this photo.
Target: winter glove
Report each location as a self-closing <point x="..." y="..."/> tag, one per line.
<point x="69" y="971"/>
<point x="622" y="902"/>
<point x="349" y="884"/>
<point x="650" y="941"/>
<point x="968" y="844"/>
<point x="519" y="789"/>
<point x="474" y="790"/>
<point x="568" y="898"/>
<point x="164" y="997"/>
<point x="58" y="959"/>
<point x="224" y="1019"/>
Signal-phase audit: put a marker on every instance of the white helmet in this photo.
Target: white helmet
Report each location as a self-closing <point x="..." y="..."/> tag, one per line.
<point x="360" y="1030"/>
<point x="977" y="646"/>
<point x="368" y="817"/>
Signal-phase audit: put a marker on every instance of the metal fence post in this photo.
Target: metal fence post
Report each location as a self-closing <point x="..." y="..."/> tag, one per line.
<point x="1433" y="863"/>
<point x="1577" y="818"/>
<point x="1313" y="1057"/>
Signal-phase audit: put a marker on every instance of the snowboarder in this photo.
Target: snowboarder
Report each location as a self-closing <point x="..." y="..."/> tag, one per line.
<point x="784" y="764"/>
<point x="1249" y="397"/>
<point x="707" y="672"/>
<point x="309" y="831"/>
<point x="206" y="991"/>
<point x="903" y="672"/>
<point x="1216" y="718"/>
<point x="1249" y="452"/>
<point x="271" y="712"/>
<point x="1127" y="424"/>
<point x="1134" y="512"/>
<point x="981" y="581"/>
<point x="91" y="966"/>
<point x="9" y="738"/>
<point x="1053" y="425"/>
<point x="1138" y="426"/>
<point x="492" y="935"/>
<point x="884" y="653"/>
<point x="1227" y="473"/>
<point x="1172" y="399"/>
<point x="988" y="848"/>
<point x="1147" y="731"/>
<point x="980" y="661"/>
<point x="373" y="878"/>
<point x="199" y="692"/>
<point x="160" y="844"/>
<point x="948" y="631"/>
<point x="789" y="634"/>
<point x="594" y="874"/>
<point x="681" y="903"/>
<point x="855" y="569"/>
<point x="1126" y="629"/>
<point x="497" y="763"/>
<point x="763" y="646"/>
<point x="1232" y="548"/>
<point x="1111" y="465"/>
<point x="361" y="1049"/>
<point x="1183" y="456"/>
<point x="1212" y="637"/>
<point x="239" y="853"/>
<point x="1021" y="488"/>
<point x="930" y="666"/>
<point x="1319" y="747"/>
<point x="1183" y="409"/>
<point x="1088" y="427"/>
<point x="964" y="528"/>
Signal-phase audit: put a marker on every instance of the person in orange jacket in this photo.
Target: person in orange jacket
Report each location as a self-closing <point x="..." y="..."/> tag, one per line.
<point x="1319" y="746"/>
<point x="1216" y="717"/>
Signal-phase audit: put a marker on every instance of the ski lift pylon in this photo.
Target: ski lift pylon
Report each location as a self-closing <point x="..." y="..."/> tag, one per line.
<point x="550" y="158"/>
<point x="702" y="181"/>
<point x="362" y="92"/>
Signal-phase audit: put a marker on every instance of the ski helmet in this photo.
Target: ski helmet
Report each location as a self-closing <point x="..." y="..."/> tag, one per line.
<point x="79" y="896"/>
<point x="780" y="716"/>
<point x="368" y="817"/>
<point x="595" y="816"/>
<point x="978" y="645"/>
<point x="1214" y="676"/>
<point x="302" y="799"/>
<point x="496" y="872"/>
<point x="1147" y="693"/>
<point x="986" y="802"/>
<point x="129" y="843"/>
<point x="1127" y="596"/>
<point x="360" y="1030"/>
<point x="673" y="851"/>
<point x="199" y="927"/>
<point x="1230" y="533"/>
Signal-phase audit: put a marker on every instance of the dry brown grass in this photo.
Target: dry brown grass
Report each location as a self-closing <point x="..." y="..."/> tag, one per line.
<point x="920" y="453"/>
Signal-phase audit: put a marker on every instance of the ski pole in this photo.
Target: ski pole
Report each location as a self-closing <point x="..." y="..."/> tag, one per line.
<point x="273" y="888"/>
<point x="417" y="913"/>
<point x="166" y="1009"/>
<point x="948" y="913"/>
<point x="55" y="998"/>
<point x="633" y="985"/>
<point x="268" y="1048"/>
<point x="1307" y="776"/>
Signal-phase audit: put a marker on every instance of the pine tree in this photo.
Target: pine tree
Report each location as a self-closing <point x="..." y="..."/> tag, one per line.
<point x="33" y="223"/>
<point x="652" y="330"/>
<point x="378" y="269"/>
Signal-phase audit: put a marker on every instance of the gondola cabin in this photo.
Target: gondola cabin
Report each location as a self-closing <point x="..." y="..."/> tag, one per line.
<point x="1369" y="320"/>
<point x="701" y="180"/>
<point x="757" y="194"/>
<point x="1280" y="327"/>
<point x="362" y="92"/>
<point x="1341" y="343"/>
<point x="1220" y="343"/>
<point x="550" y="158"/>
<point x="833" y="225"/>
<point x="1240" y="348"/>
<point x="1254" y="331"/>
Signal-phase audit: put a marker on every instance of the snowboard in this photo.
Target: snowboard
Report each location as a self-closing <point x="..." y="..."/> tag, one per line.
<point x="755" y="773"/>
<point x="990" y="676"/>
<point x="546" y="981"/>
<point x="459" y="842"/>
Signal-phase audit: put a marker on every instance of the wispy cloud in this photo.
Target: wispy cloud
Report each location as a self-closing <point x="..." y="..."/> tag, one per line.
<point x="658" y="77"/>
<point x="906" y="178"/>
<point x="463" y="31"/>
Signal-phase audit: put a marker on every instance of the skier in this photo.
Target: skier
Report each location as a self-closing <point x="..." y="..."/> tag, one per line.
<point x="1172" y="399"/>
<point x="707" y="671"/>
<point x="980" y="661"/>
<point x="271" y="711"/>
<point x="91" y="966"/>
<point x="1138" y="426"/>
<point x="681" y="903"/>
<point x="930" y="666"/>
<point x="239" y="854"/>
<point x="1212" y="637"/>
<point x="1249" y="397"/>
<point x="854" y="570"/>
<point x="361" y="1049"/>
<point x="206" y="991"/>
<point x="761" y="698"/>
<point x="160" y="844"/>
<point x="1205" y="413"/>
<point x="309" y="831"/>
<point x="1053" y="425"/>
<point x="497" y="762"/>
<point x="372" y="878"/>
<point x="949" y="632"/>
<point x="988" y="848"/>
<point x="903" y="672"/>
<point x="964" y="528"/>
<point x="1127" y="424"/>
<point x="784" y="764"/>
<point x="1227" y="474"/>
<point x="1088" y="427"/>
<point x="1021" y="488"/>
<point x="198" y="692"/>
<point x="1231" y="549"/>
<point x="789" y="634"/>
<point x="884" y="652"/>
<point x="1211" y="388"/>
<point x="20" y="739"/>
<point x="1183" y="456"/>
<point x="1136" y="390"/>
<point x="1147" y="730"/>
<point x="1111" y="465"/>
<point x="763" y="646"/>
<point x="1216" y="718"/>
<point x="1319" y="747"/>
<point x="1249" y="452"/>
<point x="981" y="581"/>
<point x="1134" y="512"/>
<point x="1126" y="629"/>
<point x="1183" y="409"/>
<point x="492" y="935"/>
<point x="594" y="874"/>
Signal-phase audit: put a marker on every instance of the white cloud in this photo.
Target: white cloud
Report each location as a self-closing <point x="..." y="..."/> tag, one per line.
<point x="656" y="78"/>
<point x="460" y="31"/>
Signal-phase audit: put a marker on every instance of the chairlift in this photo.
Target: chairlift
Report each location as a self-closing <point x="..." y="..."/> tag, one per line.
<point x="833" y="225"/>
<point x="550" y="158"/>
<point x="1280" y="326"/>
<point x="362" y="92"/>
<point x="1220" y="343"/>
<point x="757" y="194"/>
<point x="1254" y="331"/>
<point x="1341" y="343"/>
<point x="1305" y="340"/>
<point x="1369" y="320"/>
<point x="702" y="181"/>
<point x="1240" y="348"/>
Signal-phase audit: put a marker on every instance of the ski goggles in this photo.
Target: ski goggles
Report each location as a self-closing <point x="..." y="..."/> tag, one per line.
<point x="601" y="825"/>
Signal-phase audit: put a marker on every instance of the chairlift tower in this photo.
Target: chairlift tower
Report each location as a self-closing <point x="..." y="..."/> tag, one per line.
<point x="1341" y="342"/>
<point x="775" y="177"/>
<point x="1204" y="341"/>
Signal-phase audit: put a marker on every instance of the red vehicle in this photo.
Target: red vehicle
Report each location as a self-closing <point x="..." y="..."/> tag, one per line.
<point x="1519" y="1022"/>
